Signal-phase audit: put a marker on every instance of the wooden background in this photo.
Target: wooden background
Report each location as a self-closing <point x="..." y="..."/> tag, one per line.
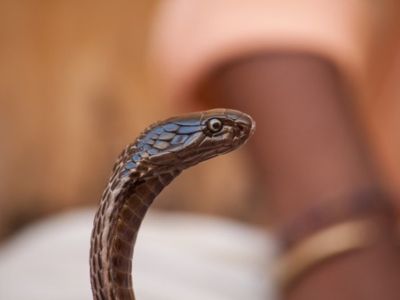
<point x="74" y="90"/>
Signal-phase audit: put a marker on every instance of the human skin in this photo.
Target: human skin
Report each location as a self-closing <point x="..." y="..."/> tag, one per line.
<point x="309" y="149"/>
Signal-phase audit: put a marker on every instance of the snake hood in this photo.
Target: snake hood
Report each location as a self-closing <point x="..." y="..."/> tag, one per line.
<point x="189" y="139"/>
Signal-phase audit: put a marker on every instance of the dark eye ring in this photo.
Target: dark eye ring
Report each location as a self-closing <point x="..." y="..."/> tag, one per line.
<point x="214" y="125"/>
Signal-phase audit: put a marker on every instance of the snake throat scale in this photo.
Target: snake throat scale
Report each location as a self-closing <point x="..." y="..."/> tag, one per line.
<point x="142" y="170"/>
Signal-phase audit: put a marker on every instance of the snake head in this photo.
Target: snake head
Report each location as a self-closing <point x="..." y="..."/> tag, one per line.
<point x="189" y="139"/>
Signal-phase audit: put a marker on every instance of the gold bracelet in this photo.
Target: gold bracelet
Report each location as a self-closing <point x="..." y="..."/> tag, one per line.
<point x="361" y="204"/>
<point x="325" y="244"/>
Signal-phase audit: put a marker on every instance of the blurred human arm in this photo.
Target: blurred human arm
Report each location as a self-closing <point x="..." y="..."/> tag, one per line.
<point x="309" y="151"/>
<point x="305" y="70"/>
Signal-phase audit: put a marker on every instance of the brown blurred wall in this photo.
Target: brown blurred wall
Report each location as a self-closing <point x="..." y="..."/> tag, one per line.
<point x="73" y="92"/>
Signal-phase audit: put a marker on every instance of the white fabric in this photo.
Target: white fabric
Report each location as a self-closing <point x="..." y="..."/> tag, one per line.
<point x="177" y="257"/>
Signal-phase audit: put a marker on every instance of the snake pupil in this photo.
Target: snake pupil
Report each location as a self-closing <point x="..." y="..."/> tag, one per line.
<point x="214" y="125"/>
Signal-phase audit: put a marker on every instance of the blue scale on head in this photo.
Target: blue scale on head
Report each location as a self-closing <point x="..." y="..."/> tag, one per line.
<point x="170" y="127"/>
<point x="166" y="136"/>
<point x="144" y="147"/>
<point x="151" y="135"/>
<point x="189" y="122"/>
<point x="140" y="144"/>
<point x="152" y="151"/>
<point x="179" y="139"/>
<point x="136" y="157"/>
<point x="130" y="165"/>
<point x="149" y="141"/>
<point x="192" y="138"/>
<point x="189" y="129"/>
<point x="161" y="145"/>
<point x="157" y="130"/>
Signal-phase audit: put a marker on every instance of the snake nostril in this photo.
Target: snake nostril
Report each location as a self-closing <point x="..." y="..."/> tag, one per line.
<point x="242" y="129"/>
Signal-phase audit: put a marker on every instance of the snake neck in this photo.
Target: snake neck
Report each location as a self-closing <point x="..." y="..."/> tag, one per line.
<point x="142" y="170"/>
<point x="122" y="209"/>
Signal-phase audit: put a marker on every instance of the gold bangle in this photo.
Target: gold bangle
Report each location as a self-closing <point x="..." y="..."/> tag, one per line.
<point x="363" y="204"/>
<point x="323" y="245"/>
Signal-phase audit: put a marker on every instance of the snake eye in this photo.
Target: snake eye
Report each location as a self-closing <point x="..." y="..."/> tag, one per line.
<point x="214" y="125"/>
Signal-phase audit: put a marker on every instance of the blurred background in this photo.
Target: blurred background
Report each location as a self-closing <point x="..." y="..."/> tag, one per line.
<point x="75" y="88"/>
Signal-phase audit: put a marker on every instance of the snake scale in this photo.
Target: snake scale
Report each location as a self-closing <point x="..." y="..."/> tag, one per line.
<point x="142" y="170"/>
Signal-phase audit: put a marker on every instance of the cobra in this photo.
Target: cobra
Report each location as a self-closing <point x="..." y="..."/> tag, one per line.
<point x="142" y="170"/>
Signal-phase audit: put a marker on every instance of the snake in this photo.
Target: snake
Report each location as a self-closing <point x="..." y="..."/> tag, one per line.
<point x="158" y="155"/>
